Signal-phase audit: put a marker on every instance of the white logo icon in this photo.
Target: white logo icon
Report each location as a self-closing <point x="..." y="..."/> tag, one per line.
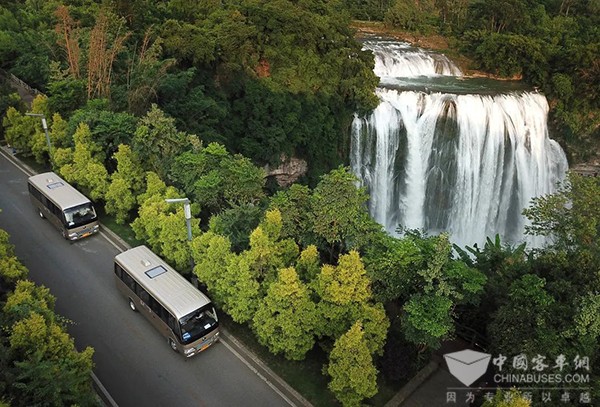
<point x="467" y="365"/>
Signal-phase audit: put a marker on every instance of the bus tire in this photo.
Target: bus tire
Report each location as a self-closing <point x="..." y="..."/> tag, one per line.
<point x="41" y="214"/>
<point x="172" y="344"/>
<point x="132" y="305"/>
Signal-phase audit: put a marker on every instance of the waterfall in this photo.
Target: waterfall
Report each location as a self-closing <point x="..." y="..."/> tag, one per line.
<point x="467" y="164"/>
<point x="396" y="59"/>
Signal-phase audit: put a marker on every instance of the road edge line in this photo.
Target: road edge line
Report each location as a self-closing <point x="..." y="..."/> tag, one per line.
<point x="102" y="392"/>
<point x="96" y="383"/>
<point x="122" y="245"/>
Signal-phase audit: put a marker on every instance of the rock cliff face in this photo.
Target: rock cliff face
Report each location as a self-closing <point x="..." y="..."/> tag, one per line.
<point x="288" y="171"/>
<point x="589" y="169"/>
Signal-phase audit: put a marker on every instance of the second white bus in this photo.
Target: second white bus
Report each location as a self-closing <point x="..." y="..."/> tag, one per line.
<point x="177" y="309"/>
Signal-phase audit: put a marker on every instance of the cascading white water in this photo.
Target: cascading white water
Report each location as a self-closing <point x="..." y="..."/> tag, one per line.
<point x="396" y="59"/>
<point x="466" y="164"/>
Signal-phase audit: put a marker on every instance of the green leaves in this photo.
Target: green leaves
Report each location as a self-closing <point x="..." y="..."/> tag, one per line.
<point x="85" y="167"/>
<point x="333" y="216"/>
<point x="338" y="207"/>
<point x="345" y="284"/>
<point x="286" y="318"/>
<point x="427" y="320"/>
<point x="163" y="225"/>
<point x="126" y="183"/>
<point x="353" y="376"/>
<point x="217" y="180"/>
<point x="11" y="269"/>
<point x="40" y="364"/>
<point x="157" y="141"/>
<point x="524" y="323"/>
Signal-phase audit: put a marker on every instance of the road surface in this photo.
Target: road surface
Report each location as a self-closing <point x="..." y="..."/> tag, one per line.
<point x="132" y="360"/>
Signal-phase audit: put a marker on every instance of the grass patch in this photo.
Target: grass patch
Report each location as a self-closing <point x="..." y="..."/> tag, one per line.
<point x="34" y="165"/>
<point x="124" y="231"/>
<point x="304" y="376"/>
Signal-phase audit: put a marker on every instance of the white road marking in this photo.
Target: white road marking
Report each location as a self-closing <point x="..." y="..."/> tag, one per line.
<point x="271" y="385"/>
<point x="228" y="346"/>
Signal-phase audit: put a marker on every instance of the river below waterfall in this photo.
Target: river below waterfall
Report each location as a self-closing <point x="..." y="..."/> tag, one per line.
<point x="446" y="153"/>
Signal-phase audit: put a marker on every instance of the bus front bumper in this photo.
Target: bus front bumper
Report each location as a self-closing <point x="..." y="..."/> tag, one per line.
<point x="202" y="346"/>
<point x="84" y="233"/>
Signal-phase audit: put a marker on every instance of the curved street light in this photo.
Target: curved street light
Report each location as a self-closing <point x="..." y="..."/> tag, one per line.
<point x="187" y="210"/>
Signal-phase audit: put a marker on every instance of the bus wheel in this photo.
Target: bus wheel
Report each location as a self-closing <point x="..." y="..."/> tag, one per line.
<point x="172" y="344"/>
<point x="132" y="305"/>
<point x="41" y="214"/>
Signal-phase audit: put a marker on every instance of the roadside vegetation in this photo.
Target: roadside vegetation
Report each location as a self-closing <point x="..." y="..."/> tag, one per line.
<point x="197" y="104"/>
<point x="39" y="365"/>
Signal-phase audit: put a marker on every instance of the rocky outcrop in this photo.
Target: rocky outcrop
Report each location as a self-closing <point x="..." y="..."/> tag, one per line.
<point x="591" y="169"/>
<point x="288" y="171"/>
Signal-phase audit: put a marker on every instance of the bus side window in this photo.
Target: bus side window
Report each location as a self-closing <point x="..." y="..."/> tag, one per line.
<point x="33" y="191"/>
<point x="158" y="309"/>
<point x="143" y="294"/>
<point x="118" y="271"/>
<point x="130" y="282"/>
<point x="55" y="210"/>
<point x="172" y="322"/>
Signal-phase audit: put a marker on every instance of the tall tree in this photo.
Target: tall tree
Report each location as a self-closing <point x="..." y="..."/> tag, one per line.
<point x="146" y="71"/>
<point x="126" y="183"/>
<point x="286" y="317"/>
<point x="68" y="38"/>
<point x="157" y="141"/>
<point x="296" y="213"/>
<point x="440" y="286"/>
<point x="353" y="376"/>
<point x="571" y="216"/>
<point x="238" y="290"/>
<point x="212" y="254"/>
<point x="43" y="366"/>
<point x="106" y="41"/>
<point x="339" y="212"/>
<point x="153" y="211"/>
<point x="341" y="289"/>
<point x="87" y="166"/>
<point x="268" y="252"/>
<point x="11" y="269"/>
<point x="25" y="133"/>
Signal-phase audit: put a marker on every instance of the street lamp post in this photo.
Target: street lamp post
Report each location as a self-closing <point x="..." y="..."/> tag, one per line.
<point x="45" y="126"/>
<point x="187" y="210"/>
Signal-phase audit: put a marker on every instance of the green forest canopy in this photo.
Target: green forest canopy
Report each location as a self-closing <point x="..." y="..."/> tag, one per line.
<point x="271" y="77"/>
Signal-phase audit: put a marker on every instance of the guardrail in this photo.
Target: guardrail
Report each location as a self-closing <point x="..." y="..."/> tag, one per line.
<point x="472" y="336"/>
<point x="19" y="83"/>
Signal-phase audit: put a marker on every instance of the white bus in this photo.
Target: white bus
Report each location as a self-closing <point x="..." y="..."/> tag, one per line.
<point x="180" y="312"/>
<point x="64" y="206"/>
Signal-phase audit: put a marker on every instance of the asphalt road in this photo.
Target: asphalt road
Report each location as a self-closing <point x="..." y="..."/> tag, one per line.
<point x="132" y="360"/>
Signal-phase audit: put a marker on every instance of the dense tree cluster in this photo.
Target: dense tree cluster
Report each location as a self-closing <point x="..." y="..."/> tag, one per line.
<point x="153" y="101"/>
<point x="39" y="364"/>
<point x="264" y="78"/>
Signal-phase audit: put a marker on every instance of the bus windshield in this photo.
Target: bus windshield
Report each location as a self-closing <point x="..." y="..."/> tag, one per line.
<point x="79" y="215"/>
<point x="198" y="323"/>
